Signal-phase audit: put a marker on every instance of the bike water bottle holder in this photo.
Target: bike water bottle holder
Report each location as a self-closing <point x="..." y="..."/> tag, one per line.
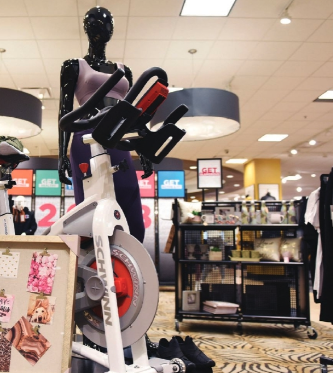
<point x="115" y="124"/>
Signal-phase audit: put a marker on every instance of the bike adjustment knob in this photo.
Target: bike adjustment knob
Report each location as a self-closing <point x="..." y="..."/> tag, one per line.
<point x="84" y="168"/>
<point x="123" y="166"/>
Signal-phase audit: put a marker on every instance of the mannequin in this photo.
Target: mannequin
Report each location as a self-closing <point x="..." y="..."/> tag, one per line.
<point x="24" y="219"/>
<point x="83" y="77"/>
<point x="268" y="197"/>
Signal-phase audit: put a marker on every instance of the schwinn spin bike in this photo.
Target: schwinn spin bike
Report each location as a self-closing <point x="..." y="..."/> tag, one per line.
<point x="120" y="287"/>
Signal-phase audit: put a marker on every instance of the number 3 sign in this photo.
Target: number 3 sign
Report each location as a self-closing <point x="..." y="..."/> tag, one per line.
<point x="47" y="212"/>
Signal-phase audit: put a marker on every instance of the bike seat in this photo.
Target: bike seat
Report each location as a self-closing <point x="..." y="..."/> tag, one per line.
<point x="11" y="156"/>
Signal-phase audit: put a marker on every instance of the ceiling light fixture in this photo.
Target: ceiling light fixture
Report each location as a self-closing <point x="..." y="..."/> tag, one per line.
<point x="298" y="189"/>
<point x="273" y="137"/>
<point x="207" y="8"/>
<point x="313" y="175"/>
<point x="285" y="19"/>
<point x="236" y="160"/>
<point x="236" y="185"/>
<point x="193" y="167"/>
<point x="293" y="151"/>
<point x="230" y="176"/>
<point x="212" y="113"/>
<point x="312" y="142"/>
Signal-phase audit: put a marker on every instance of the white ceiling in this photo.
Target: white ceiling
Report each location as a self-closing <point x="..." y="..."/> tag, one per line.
<point x="276" y="70"/>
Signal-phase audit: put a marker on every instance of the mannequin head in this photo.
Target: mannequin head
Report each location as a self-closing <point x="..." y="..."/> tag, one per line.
<point x="19" y="203"/>
<point x="98" y="25"/>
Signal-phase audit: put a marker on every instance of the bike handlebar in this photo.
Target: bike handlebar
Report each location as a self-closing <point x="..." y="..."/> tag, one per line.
<point x="71" y="123"/>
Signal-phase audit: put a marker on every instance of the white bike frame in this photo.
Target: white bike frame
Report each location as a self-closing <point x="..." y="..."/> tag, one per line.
<point x="94" y="217"/>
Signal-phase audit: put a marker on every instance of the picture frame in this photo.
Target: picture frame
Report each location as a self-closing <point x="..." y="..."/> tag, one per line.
<point x="249" y="191"/>
<point x="272" y="189"/>
<point x="60" y="333"/>
<point x="209" y="173"/>
<point x="191" y="300"/>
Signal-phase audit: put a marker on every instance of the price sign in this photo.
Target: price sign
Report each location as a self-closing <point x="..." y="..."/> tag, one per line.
<point x="23" y="179"/>
<point x="47" y="212"/>
<point x="209" y="173"/>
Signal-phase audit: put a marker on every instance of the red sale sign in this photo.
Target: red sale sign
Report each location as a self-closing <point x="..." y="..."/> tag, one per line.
<point x="147" y="186"/>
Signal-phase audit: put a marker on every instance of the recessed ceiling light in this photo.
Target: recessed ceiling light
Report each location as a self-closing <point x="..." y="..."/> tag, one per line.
<point x="236" y="161"/>
<point x="273" y="137"/>
<point x="193" y="167"/>
<point x="299" y="189"/>
<point x="297" y="197"/>
<point x="313" y="175"/>
<point x="192" y="197"/>
<point x="312" y="142"/>
<point x="216" y="8"/>
<point x="230" y="176"/>
<point x="328" y="95"/>
<point x="293" y="151"/>
<point x="195" y="200"/>
<point x="236" y="185"/>
<point x="222" y="192"/>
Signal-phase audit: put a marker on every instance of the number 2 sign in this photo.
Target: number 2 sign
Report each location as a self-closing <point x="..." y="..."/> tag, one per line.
<point x="47" y="212"/>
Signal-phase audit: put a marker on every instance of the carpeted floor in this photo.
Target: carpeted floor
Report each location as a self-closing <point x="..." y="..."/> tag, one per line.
<point x="260" y="347"/>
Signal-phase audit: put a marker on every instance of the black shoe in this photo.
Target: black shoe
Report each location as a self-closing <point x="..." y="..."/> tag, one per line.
<point x="170" y="350"/>
<point x="151" y="347"/>
<point x="193" y="353"/>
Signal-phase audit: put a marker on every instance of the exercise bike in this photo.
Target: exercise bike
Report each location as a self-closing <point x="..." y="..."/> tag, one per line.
<point x="119" y="285"/>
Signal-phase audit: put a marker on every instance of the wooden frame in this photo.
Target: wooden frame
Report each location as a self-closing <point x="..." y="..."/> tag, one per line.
<point x="57" y="358"/>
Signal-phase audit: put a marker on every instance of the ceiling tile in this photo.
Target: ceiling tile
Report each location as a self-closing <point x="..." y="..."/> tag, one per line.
<point x="324" y="33"/>
<point x="155" y="28"/>
<point x="245" y="29"/>
<point x="41" y="8"/>
<point x="274" y="50"/>
<point x="298" y="68"/>
<point x="290" y="107"/>
<point x="65" y="49"/>
<point x="116" y="7"/>
<point x="20" y="49"/>
<point x="15" y="28"/>
<point x="198" y="28"/>
<point x="114" y="50"/>
<point x="56" y="28"/>
<point x="257" y="8"/>
<point x="6" y="80"/>
<point x="139" y="66"/>
<point x="145" y="49"/>
<point x="282" y="83"/>
<point x="313" y="52"/>
<point x="53" y="65"/>
<point x="28" y="66"/>
<point x="232" y="50"/>
<point x="325" y="70"/>
<point x="156" y="8"/>
<point x="310" y="9"/>
<point x="266" y="68"/>
<point x="248" y="82"/>
<point x="297" y="30"/>
<point x="301" y="96"/>
<point x="179" y="49"/>
<point x="317" y="84"/>
<point x="14" y="8"/>
<point x="30" y="80"/>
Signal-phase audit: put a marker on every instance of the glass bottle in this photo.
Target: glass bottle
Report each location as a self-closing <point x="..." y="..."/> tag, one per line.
<point x="291" y="213"/>
<point x="244" y="213"/>
<point x="253" y="217"/>
<point x="284" y="212"/>
<point x="263" y="213"/>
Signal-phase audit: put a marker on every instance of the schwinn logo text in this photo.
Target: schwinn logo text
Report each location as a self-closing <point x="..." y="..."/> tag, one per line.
<point x="102" y="273"/>
<point x="119" y="254"/>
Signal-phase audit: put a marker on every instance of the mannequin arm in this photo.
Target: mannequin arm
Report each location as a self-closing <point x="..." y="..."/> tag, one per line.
<point x="68" y="79"/>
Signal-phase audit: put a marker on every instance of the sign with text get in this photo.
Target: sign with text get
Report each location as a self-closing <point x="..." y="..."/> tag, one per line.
<point x="47" y="183"/>
<point x="23" y="179"/>
<point x="147" y="185"/>
<point x="209" y="173"/>
<point x="171" y="184"/>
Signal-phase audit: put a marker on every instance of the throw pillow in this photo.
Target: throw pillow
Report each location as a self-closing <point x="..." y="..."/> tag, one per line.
<point x="291" y="247"/>
<point x="186" y="210"/>
<point x="269" y="248"/>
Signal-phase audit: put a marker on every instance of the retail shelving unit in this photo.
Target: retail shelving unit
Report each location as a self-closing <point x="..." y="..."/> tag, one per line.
<point x="266" y="291"/>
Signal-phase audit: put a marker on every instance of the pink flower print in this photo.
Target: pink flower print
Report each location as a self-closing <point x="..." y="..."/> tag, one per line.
<point x="42" y="273"/>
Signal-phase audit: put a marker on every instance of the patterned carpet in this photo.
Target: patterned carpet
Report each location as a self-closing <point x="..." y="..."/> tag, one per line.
<point x="260" y="348"/>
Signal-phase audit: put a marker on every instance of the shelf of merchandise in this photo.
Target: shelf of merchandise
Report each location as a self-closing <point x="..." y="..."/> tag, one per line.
<point x="266" y="291"/>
